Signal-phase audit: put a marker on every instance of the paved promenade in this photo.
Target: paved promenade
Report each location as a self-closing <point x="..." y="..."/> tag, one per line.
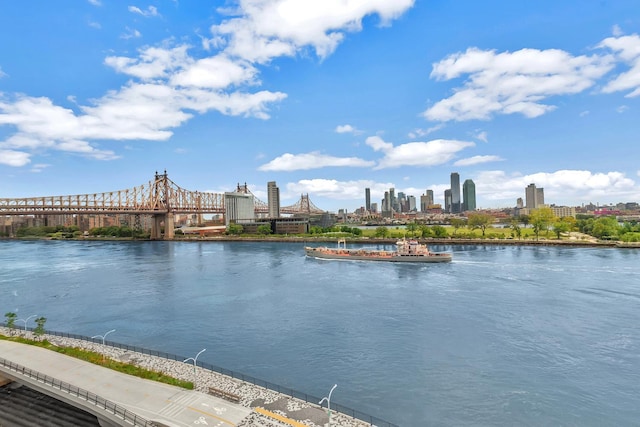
<point x="167" y="404"/>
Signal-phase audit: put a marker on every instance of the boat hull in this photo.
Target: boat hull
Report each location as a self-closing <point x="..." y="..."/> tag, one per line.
<point x="352" y="255"/>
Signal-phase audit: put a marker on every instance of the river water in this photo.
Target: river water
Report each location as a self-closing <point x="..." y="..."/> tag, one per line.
<point x="500" y="336"/>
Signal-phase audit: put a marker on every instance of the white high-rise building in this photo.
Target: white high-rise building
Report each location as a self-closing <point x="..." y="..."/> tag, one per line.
<point x="238" y="207"/>
<point x="534" y="197"/>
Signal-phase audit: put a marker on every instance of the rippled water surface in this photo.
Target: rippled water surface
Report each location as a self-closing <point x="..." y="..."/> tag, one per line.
<point x="501" y="336"/>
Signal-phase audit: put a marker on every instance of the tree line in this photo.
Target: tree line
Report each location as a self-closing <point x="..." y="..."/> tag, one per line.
<point x="539" y="222"/>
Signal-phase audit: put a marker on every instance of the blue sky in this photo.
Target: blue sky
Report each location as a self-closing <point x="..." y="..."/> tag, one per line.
<point x="325" y="97"/>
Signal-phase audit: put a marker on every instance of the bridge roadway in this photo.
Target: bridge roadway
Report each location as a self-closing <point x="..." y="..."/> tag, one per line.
<point x="164" y="404"/>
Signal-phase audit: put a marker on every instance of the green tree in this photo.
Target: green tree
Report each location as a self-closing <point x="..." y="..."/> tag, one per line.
<point x="457" y="223"/>
<point x="515" y="229"/>
<point x="605" y="228"/>
<point x="425" y="231"/>
<point x="39" y="330"/>
<point x="412" y="227"/>
<point x="541" y="219"/>
<point x="11" y="319"/>
<point x="315" y="230"/>
<point x="356" y="231"/>
<point x="234" y="229"/>
<point x="560" y="227"/>
<point x="479" y="220"/>
<point x="382" y="231"/>
<point x="264" y="229"/>
<point x="439" y="231"/>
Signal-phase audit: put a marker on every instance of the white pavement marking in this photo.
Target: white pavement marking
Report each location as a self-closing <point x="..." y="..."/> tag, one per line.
<point x="178" y="404"/>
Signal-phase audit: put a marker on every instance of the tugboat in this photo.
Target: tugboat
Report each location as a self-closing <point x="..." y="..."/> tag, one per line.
<point x="406" y="251"/>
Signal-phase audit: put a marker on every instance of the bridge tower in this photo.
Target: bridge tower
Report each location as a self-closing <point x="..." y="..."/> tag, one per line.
<point x="162" y="209"/>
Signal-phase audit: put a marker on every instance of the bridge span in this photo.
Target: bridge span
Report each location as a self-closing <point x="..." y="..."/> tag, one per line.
<point x="161" y="198"/>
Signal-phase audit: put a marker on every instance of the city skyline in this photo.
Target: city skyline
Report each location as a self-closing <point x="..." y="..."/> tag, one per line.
<point x="325" y="100"/>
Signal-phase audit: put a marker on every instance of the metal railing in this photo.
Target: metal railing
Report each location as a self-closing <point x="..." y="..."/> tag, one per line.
<point x="100" y="402"/>
<point x="335" y="407"/>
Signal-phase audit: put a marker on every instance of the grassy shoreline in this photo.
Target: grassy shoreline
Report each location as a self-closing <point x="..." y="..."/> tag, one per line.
<point x="99" y="359"/>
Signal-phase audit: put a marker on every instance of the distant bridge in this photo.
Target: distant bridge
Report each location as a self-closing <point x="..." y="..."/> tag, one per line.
<point x="161" y="198"/>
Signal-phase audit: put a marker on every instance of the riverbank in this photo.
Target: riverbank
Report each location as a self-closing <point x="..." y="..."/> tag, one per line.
<point x="251" y="395"/>
<point x="430" y="241"/>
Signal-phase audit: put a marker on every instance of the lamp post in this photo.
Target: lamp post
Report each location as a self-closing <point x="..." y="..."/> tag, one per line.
<point x="195" y="360"/>
<point x="26" y="320"/>
<point x="328" y="399"/>
<point x="103" y="336"/>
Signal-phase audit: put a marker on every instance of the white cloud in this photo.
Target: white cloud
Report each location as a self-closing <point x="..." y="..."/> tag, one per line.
<point x="616" y="30"/>
<point x="512" y="82"/>
<point x="347" y="129"/>
<point x="131" y="33"/>
<point x="627" y="50"/>
<point x="481" y="135"/>
<point x="14" y="158"/>
<point x="2" y="73"/>
<point x="152" y="62"/>
<point x="83" y="148"/>
<point x="217" y="72"/>
<point x="95" y="25"/>
<point x="95" y="2"/>
<point x="561" y="187"/>
<point x="418" y="133"/>
<point x="622" y="109"/>
<point x="149" y="11"/>
<point x="476" y="160"/>
<point x="435" y="152"/>
<point x="264" y="29"/>
<point x="168" y="85"/>
<point x="39" y="167"/>
<point x="314" y="160"/>
<point x="584" y="113"/>
<point x="138" y="111"/>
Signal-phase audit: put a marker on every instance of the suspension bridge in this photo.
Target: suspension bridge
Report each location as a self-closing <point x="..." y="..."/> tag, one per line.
<point x="161" y="198"/>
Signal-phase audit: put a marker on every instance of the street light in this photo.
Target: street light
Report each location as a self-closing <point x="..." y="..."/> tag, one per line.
<point x="103" y="336"/>
<point x="26" y="320"/>
<point x="195" y="359"/>
<point x="328" y="399"/>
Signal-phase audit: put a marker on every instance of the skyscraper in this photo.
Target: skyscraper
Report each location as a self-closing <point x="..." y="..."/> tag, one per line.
<point x="424" y="203"/>
<point x="468" y="195"/>
<point x="400" y="202"/>
<point x="455" y="193"/>
<point x="447" y="200"/>
<point x="530" y="196"/>
<point x="273" y="199"/>
<point x="539" y="197"/>
<point x="411" y="203"/>
<point x="367" y="199"/>
<point x="392" y="198"/>
<point x="429" y="197"/>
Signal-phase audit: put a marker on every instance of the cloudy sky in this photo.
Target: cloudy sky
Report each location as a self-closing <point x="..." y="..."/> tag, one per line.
<point x="325" y="97"/>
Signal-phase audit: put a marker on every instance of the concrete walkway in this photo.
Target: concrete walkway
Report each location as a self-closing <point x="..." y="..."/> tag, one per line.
<point x="166" y="404"/>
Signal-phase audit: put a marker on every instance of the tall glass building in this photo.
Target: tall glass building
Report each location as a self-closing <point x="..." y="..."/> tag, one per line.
<point x="455" y="193"/>
<point x="468" y="196"/>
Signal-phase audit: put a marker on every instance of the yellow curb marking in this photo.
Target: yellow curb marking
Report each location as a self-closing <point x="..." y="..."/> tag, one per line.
<point x="211" y="415"/>
<point x="279" y="417"/>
